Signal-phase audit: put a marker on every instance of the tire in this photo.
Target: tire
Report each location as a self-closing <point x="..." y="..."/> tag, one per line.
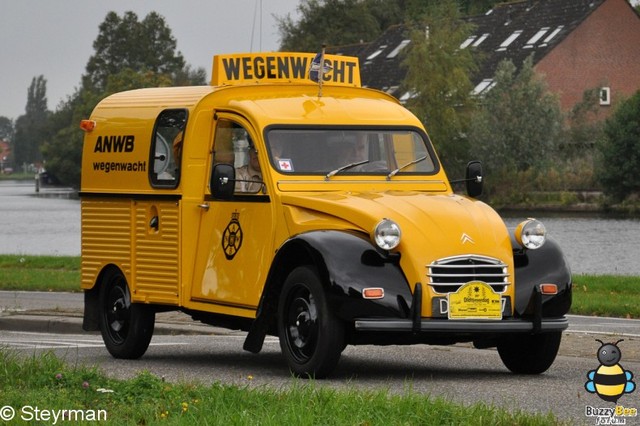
<point x="126" y="327"/>
<point x="311" y="337"/>
<point x="531" y="353"/>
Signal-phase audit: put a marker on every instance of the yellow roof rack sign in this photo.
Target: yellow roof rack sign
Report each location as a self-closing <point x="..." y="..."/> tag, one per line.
<point x="282" y="67"/>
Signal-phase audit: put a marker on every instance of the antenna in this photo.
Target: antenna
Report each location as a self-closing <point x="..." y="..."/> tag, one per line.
<point x="257" y="15"/>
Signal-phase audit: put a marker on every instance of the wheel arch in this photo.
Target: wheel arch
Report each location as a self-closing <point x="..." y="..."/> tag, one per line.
<point x="346" y="262"/>
<point x="91" y="316"/>
<point x="534" y="267"/>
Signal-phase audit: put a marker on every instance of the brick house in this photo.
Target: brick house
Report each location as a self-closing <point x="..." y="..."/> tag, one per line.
<point x="5" y="156"/>
<point x="577" y="45"/>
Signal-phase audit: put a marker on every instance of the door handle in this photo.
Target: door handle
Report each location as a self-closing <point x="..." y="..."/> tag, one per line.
<point x="204" y="206"/>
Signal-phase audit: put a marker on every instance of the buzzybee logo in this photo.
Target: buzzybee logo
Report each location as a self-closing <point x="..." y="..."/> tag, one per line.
<point x="610" y="381"/>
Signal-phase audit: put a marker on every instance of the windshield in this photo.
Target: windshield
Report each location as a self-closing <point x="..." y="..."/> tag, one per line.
<point x="333" y="152"/>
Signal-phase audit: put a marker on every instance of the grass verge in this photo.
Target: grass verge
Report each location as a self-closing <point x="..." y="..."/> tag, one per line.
<point x="46" y="382"/>
<point x="606" y="295"/>
<point x="603" y="295"/>
<point x="39" y="273"/>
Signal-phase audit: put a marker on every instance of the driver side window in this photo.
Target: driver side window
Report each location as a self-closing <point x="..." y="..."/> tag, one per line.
<point x="233" y="145"/>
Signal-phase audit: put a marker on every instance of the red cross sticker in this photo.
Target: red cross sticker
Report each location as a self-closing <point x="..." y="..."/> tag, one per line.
<point x="285" y="165"/>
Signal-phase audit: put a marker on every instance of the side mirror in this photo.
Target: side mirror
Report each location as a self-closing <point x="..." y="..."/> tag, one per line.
<point x="222" y="183"/>
<point x="473" y="178"/>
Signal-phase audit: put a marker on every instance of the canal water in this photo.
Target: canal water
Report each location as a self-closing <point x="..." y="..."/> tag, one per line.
<point x="49" y="225"/>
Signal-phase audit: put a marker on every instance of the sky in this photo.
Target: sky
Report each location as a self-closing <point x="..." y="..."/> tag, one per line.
<point x="55" y="37"/>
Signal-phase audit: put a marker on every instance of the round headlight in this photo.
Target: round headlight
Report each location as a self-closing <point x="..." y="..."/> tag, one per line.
<point x="387" y="234"/>
<point x="531" y="234"/>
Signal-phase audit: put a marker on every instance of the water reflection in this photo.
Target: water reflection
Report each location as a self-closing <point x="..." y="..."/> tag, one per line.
<point x="51" y="226"/>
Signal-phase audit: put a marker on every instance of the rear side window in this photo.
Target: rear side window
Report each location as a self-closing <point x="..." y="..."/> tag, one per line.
<point x="166" y="148"/>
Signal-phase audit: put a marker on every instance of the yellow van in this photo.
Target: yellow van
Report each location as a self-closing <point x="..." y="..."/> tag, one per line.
<point x="314" y="211"/>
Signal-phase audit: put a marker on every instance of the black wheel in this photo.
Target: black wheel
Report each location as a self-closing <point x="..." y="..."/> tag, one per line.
<point x="529" y="354"/>
<point x="126" y="327"/>
<point x="311" y="337"/>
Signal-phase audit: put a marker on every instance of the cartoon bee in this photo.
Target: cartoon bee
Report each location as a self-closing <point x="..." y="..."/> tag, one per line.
<point x="609" y="381"/>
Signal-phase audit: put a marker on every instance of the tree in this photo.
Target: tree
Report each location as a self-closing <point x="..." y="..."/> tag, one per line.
<point x="30" y="129"/>
<point x="6" y="128"/>
<point x="335" y="23"/>
<point x="125" y="42"/>
<point x="518" y="122"/>
<point x="621" y="150"/>
<point x="129" y="55"/>
<point x="343" y="22"/>
<point x="438" y="76"/>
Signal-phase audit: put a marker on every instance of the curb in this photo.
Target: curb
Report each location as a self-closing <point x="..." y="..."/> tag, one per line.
<point x="73" y="325"/>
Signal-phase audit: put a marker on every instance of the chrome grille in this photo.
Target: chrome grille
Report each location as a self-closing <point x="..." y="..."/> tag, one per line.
<point x="448" y="274"/>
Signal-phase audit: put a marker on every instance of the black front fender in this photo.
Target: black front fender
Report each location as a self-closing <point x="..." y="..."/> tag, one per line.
<point x="347" y="262"/>
<point x="534" y="267"/>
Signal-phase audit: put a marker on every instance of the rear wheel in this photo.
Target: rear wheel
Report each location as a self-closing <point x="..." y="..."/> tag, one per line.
<point x="311" y="337"/>
<point x="529" y="353"/>
<point x="126" y="327"/>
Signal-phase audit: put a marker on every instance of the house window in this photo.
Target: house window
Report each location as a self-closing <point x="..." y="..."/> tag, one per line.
<point x="533" y="40"/>
<point x="485" y="85"/>
<point x="480" y="40"/>
<point x="605" y="96"/>
<point x="552" y="35"/>
<point x="377" y="52"/>
<point x="467" y="42"/>
<point x="509" y="40"/>
<point x="398" y="48"/>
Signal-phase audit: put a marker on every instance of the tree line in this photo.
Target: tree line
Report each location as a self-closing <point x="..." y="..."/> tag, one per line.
<point x="517" y="129"/>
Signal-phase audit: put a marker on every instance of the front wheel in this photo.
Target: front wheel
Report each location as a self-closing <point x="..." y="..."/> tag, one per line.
<point x="529" y="353"/>
<point x="126" y="327"/>
<point x="311" y="337"/>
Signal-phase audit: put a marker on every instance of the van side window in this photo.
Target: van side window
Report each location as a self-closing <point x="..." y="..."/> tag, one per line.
<point x="166" y="148"/>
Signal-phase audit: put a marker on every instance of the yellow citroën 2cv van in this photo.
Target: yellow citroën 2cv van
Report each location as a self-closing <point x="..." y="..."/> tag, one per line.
<point x="315" y="211"/>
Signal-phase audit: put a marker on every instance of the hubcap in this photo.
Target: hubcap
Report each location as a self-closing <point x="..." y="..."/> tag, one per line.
<point x="117" y="313"/>
<point x="302" y="324"/>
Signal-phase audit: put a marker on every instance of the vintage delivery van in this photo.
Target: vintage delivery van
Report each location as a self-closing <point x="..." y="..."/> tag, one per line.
<point x="318" y="213"/>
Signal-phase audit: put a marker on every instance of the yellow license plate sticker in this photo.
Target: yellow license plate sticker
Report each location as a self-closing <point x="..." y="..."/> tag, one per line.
<point x="475" y="300"/>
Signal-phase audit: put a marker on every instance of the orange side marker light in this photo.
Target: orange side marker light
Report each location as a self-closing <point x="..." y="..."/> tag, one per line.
<point x="549" y="289"/>
<point x="87" y="125"/>
<point x="373" y="293"/>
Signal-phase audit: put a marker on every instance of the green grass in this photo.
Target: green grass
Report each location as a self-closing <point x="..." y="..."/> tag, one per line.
<point x="604" y="295"/>
<point x="39" y="273"/>
<point x="47" y="382"/>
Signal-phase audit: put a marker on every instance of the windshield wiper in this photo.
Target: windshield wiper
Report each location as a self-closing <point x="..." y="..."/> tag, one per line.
<point x="395" y="172"/>
<point x="348" y="166"/>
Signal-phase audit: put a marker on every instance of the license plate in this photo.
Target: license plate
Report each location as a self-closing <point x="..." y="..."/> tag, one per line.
<point x="475" y="300"/>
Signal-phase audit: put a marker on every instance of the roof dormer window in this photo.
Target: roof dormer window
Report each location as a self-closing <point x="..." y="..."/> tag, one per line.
<point x="509" y="40"/>
<point x="377" y="52"/>
<point x="533" y="40"/>
<point x="398" y="48"/>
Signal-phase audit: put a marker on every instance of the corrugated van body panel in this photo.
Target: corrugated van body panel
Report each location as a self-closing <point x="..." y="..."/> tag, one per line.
<point x="106" y="237"/>
<point x="157" y="252"/>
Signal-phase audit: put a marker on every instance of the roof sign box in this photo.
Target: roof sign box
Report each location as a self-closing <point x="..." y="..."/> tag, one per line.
<point x="281" y="67"/>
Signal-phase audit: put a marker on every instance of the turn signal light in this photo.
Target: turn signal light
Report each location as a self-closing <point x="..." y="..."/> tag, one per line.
<point x="373" y="293"/>
<point x="548" y="289"/>
<point x="87" y="125"/>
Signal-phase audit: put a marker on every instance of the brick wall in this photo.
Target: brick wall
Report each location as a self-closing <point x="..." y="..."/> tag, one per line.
<point x="603" y="51"/>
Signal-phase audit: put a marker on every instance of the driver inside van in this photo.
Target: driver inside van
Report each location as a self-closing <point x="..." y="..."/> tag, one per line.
<point x="249" y="176"/>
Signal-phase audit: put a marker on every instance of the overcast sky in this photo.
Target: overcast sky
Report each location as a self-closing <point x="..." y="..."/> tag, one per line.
<point x="55" y="37"/>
